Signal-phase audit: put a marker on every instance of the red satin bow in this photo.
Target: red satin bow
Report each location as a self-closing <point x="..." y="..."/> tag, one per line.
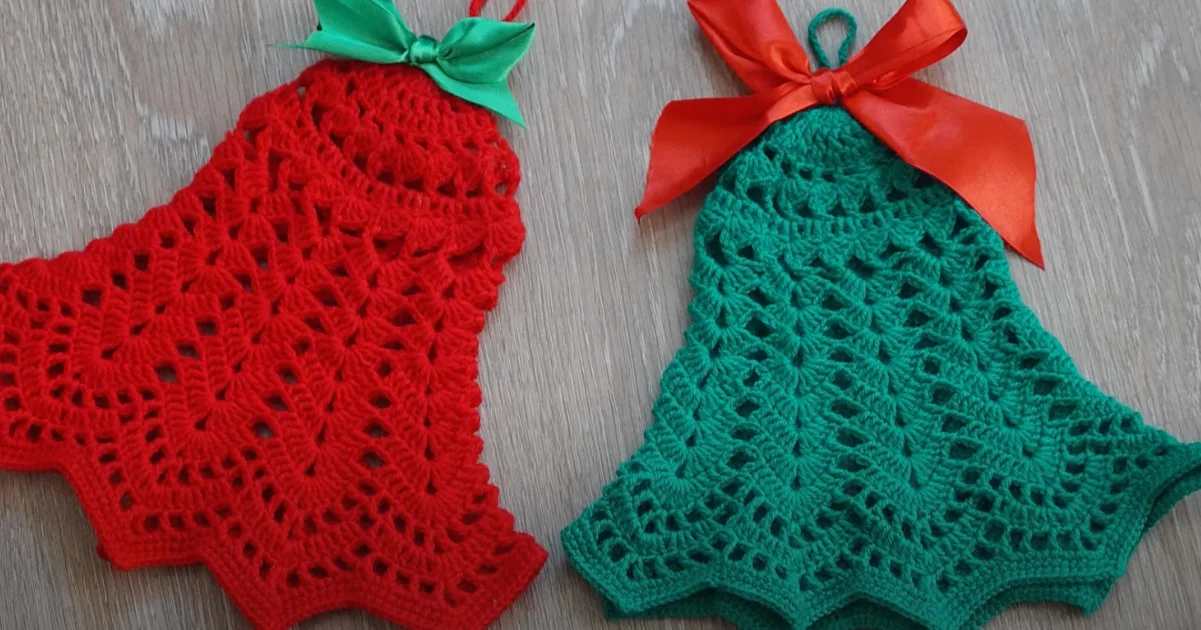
<point x="985" y="156"/>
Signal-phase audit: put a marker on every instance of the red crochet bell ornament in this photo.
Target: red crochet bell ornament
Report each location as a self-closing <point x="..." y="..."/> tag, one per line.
<point x="274" y="374"/>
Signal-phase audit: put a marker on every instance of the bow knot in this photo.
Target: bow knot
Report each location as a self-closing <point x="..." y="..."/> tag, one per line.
<point x="423" y="50"/>
<point x="832" y="86"/>
<point x="983" y="155"/>
<point x="472" y="62"/>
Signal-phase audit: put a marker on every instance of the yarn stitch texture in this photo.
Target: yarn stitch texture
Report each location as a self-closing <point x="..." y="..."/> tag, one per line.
<point x="866" y="427"/>
<point x="274" y="374"/>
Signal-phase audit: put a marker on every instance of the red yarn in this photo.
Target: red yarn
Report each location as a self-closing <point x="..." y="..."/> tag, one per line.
<point x="274" y="374"/>
<point x="478" y="5"/>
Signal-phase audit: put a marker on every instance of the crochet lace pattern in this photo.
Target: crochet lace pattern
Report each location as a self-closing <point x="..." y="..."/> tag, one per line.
<point x="274" y="373"/>
<point x="866" y="427"/>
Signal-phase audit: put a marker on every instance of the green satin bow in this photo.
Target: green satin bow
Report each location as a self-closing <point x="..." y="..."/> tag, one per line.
<point x="471" y="62"/>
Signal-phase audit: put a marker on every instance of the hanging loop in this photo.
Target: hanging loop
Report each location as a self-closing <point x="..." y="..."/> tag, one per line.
<point x="478" y="5"/>
<point x="844" y="50"/>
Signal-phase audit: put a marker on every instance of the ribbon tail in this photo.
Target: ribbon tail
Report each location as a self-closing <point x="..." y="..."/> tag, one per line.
<point x="347" y="47"/>
<point x="985" y="156"/>
<point x="492" y="95"/>
<point x="694" y="138"/>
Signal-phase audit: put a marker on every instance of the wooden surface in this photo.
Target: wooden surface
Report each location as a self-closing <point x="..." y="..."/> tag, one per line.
<point x="108" y="107"/>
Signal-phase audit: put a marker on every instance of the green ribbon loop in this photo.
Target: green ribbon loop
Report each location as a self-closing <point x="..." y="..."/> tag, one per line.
<point x="472" y="61"/>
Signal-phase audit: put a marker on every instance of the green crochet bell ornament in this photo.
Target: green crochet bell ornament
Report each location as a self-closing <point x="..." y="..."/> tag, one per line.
<point x="866" y="427"/>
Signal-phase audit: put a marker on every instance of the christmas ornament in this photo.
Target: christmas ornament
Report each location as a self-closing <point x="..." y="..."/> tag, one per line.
<point x="274" y="373"/>
<point x="866" y="427"/>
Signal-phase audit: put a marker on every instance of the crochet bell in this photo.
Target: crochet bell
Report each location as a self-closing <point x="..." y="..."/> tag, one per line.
<point x="866" y="427"/>
<point x="274" y="374"/>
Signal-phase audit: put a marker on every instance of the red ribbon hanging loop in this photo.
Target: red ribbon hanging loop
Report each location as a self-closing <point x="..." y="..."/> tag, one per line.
<point x="985" y="156"/>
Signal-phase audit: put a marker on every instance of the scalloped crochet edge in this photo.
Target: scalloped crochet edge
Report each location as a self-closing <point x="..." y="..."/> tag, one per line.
<point x="514" y="577"/>
<point x="728" y="597"/>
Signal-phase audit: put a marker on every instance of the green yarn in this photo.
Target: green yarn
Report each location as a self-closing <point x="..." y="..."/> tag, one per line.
<point x="844" y="49"/>
<point x="866" y="427"/>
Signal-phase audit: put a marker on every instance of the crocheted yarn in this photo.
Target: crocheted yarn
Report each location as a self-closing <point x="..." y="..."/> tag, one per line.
<point x="866" y="427"/>
<point x="274" y="374"/>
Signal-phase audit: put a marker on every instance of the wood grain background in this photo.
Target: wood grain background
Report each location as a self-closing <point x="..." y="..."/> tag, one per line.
<point x="108" y="107"/>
